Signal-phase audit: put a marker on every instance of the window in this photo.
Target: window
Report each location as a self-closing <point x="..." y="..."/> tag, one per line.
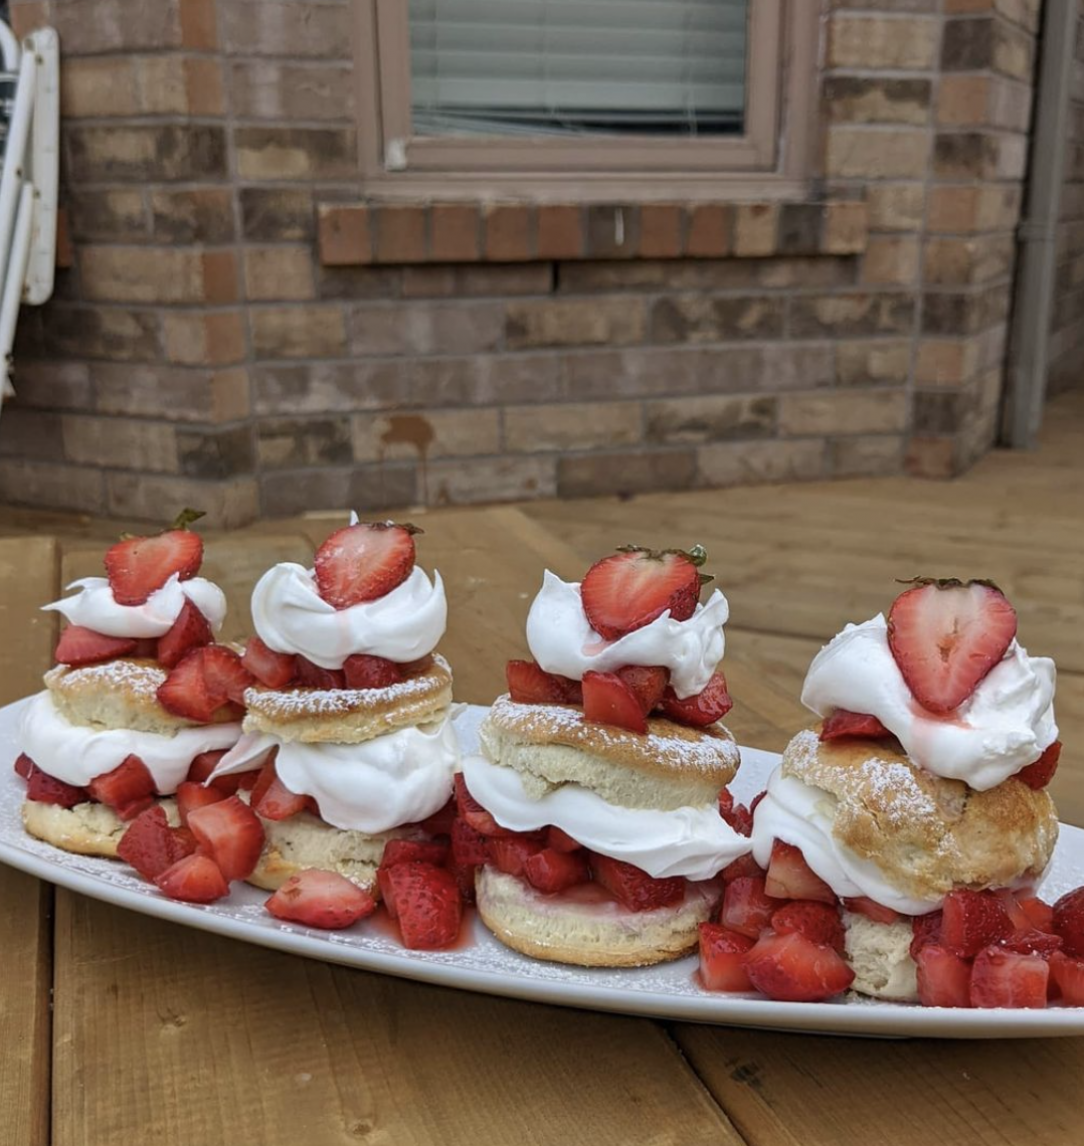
<point x="586" y="98"/>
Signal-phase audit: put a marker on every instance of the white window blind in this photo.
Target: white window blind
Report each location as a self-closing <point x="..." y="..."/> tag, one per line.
<point x="558" y="67"/>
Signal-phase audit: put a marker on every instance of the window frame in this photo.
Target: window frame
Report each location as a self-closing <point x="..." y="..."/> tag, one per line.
<point x="770" y="159"/>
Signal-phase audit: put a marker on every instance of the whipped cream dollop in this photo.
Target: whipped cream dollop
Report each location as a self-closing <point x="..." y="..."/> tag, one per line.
<point x="290" y="616"/>
<point x="562" y="641"/>
<point x="97" y="608"/>
<point x="77" y="754"/>
<point x="1002" y="727"/>
<point x="696" y="843"/>
<point x="802" y="815"/>
<point x="380" y="784"/>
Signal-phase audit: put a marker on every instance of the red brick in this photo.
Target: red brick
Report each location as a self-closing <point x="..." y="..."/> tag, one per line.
<point x="343" y="235"/>
<point x="931" y="457"/>
<point x="203" y="87"/>
<point x="453" y="232"/>
<point x="560" y="231"/>
<point x="64" y="254"/>
<point x="29" y="15"/>
<point x="220" y="276"/>
<point x="708" y="234"/>
<point x="510" y="233"/>
<point x="660" y="231"/>
<point x="399" y="234"/>
<point x="199" y="26"/>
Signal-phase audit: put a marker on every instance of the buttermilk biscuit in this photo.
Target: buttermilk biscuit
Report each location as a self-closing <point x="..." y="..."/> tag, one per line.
<point x="927" y="835"/>
<point x="671" y="767"/>
<point x="562" y="929"/>
<point x="880" y="956"/>
<point x="349" y="716"/>
<point x="118" y="694"/>
<point x="87" y="829"/>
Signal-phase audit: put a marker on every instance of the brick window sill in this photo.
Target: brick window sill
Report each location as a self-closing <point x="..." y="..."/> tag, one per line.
<point x="386" y="234"/>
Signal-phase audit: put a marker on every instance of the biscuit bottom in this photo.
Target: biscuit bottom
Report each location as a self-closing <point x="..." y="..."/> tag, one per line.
<point x="880" y="956"/>
<point x="88" y="829"/>
<point x="584" y="927"/>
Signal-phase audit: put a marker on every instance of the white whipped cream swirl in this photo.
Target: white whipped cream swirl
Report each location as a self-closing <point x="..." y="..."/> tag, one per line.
<point x="290" y="616"/>
<point x="1002" y="727"/>
<point x="562" y="641"/>
<point x="77" y="754"/>
<point x="696" y="843"/>
<point x="97" y="608"/>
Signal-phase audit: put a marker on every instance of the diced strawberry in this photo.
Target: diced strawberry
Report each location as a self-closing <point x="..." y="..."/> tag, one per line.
<point x="1040" y="915"/>
<point x="817" y="921"/>
<point x="206" y="679"/>
<point x="146" y="648"/>
<point x="946" y="636"/>
<point x="313" y="676"/>
<point x="139" y="566"/>
<point x="738" y="816"/>
<point x="561" y="841"/>
<point x="275" y="670"/>
<point x="469" y="847"/>
<point x="427" y="904"/>
<point x="194" y="879"/>
<point x="473" y="812"/>
<point x="790" y="877"/>
<point x="648" y="684"/>
<point x="624" y="592"/>
<point x="944" y="979"/>
<point x="79" y="646"/>
<point x="529" y="684"/>
<point x="1032" y="941"/>
<point x="726" y="805"/>
<point x="510" y="854"/>
<point x="363" y="671"/>
<point x="232" y="833"/>
<point x="971" y="920"/>
<point x="191" y="796"/>
<point x="1068" y="973"/>
<point x="263" y="781"/>
<point x="925" y="929"/>
<point x="45" y="789"/>
<point x="871" y="909"/>
<point x="277" y="802"/>
<point x="1068" y="921"/>
<point x="1018" y="917"/>
<point x="412" y="851"/>
<point x="634" y="888"/>
<point x="128" y="789"/>
<point x="791" y="968"/>
<point x="440" y="822"/>
<point x="363" y="562"/>
<point x="322" y="899"/>
<point x="721" y="959"/>
<point x="708" y="706"/>
<point x="552" y="871"/>
<point x="387" y="890"/>
<point x="842" y="725"/>
<point x="199" y="771"/>
<point x="226" y="676"/>
<point x="607" y="699"/>
<point x="743" y="866"/>
<point x="191" y="630"/>
<point x="1001" y="978"/>
<point x="1039" y="774"/>
<point x="24" y="766"/>
<point x="150" y="845"/>
<point x="747" y="907"/>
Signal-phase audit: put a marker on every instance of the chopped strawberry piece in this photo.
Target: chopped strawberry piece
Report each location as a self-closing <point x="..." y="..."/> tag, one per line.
<point x="971" y="920"/>
<point x="738" y="816"/>
<point x="469" y="847"/>
<point x="440" y="822"/>
<point x="24" y="766"/>
<point x="139" y="566"/>
<point x="790" y="877"/>
<point x="1018" y="917"/>
<point x="529" y="684"/>
<point x="708" y="706"/>
<point x="473" y="812"/>
<point x="150" y="845"/>
<point x="1039" y="914"/>
<point x="634" y="888"/>
<point x="818" y="922"/>
<point x="552" y="871"/>
<point x="925" y="929"/>
<point x="791" y="968"/>
<point x="146" y="648"/>
<point x="277" y="802"/>
<point x="607" y="699"/>
<point x="721" y="959"/>
<point x="842" y="725"/>
<point x="263" y="781"/>
<point x="1068" y="921"/>
<point x="45" y="789"/>
<point x="226" y="676"/>
<point x="561" y="841"/>
<point x="206" y="679"/>
<point x="191" y="630"/>
<point x="1068" y="973"/>
<point x="194" y="879"/>
<point x="946" y="636"/>
<point x="726" y="805"/>
<point x="191" y="796"/>
<point x="232" y="833"/>
<point x="313" y="676"/>
<point x="363" y="671"/>
<point x="363" y="562"/>
<point x="275" y="670"/>
<point x="79" y="646"/>
<point x="412" y="851"/>
<point x="871" y="909"/>
<point x="743" y="866"/>
<point x="1039" y="774"/>
<point x="648" y="684"/>
<point x="944" y="979"/>
<point x="322" y="899"/>
<point x="747" y="907"/>
<point x="128" y="789"/>
<point x="1032" y="941"/>
<point x="199" y="771"/>
<point x="624" y="592"/>
<point x="1001" y="978"/>
<point x="510" y="854"/>
<point x="427" y="904"/>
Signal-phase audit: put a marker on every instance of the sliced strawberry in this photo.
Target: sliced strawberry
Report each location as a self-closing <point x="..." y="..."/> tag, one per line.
<point x="150" y="845"/>
<point x="946" y="636"/>
<point x="469" y="847"/>
<point x="648" y="684"/>
<point x="529" y="684"/>
<point x="607" y="699"/>
<point x="473" y="812"/>
<point x="791" y="968"/>
<point x="818" y="922"/>
<point x="708" y="706"/>
<point x="1032" y="941"/>
<point x="363" y="562"/>
<point x="634" y="888"/>
<point x="275" y="670"/>
<point x="322" y="899"/>
<point x="790" y="877"/>
<point x="191" y="796"/>
<point x="313" y="676"/>
<point x="1068" y="973"/>
<point x="464" y="874"/>
<point x="1040" y="915"/>
<point x="139" y="566"/>
<point x="726" y="805"/>
<point x="747" y="907"/>
<point x="194" y="879"/>
<point x="561" y="841"/>
<point x="199" y="771"/>
<point x="1018" y="917"/>
<point x="440" y="822"/>
<point x="871" y="909"/>
<point x="24" y="766"/>
<point x="227" y="678"/>
<point x="971" y="920"/>
<point x="738" y="816"/>
<point x="231" y="832"/>
<point x="925" y="929"/>
<point x="277" y="802"/>
<point x="263" y="781"/>
<point x="362" y="671"/>
<point x="191" y="630"/>
<point x="944" y="978"/>
<point x="412" y="851"/>
<point x="1068" y="921"/>
<point x="552" y="871"/>
<point x="146" y="648"/>
<point x="722" y="954"/>
<point x="128" y="789"/>
<point x="624" y="592"/>
<point x="510" y="854"/>
<point x="1001" y="978"/>
<point x="427" y="904"/>
<point x="1039" y="774"/>
<point x="743" y="866"/>
<point x="205" y="680"/>
<point x="843" y="725"/>
<point x="44" y="789"/>
<point x="79" y="646"/>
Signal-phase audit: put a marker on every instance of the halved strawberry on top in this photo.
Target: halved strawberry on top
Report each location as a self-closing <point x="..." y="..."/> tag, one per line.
<point x="364" y="562"/>
<point x="80" y="646"/>
<point x="139" y="566"/>
<point x="528" y="683"/>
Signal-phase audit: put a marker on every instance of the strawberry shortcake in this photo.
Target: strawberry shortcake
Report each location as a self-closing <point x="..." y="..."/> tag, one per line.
<point x="594" y="815"/>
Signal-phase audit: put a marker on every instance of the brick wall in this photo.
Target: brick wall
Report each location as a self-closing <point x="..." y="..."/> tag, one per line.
<point x="237" y="332"/>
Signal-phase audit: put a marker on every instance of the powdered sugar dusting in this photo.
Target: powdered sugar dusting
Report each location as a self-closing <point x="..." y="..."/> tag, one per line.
<point x="137" y="678"/>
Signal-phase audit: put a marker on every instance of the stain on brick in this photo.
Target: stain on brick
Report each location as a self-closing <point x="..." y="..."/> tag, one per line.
<point x="270" y="214"/>
<point x="216" y="453"/>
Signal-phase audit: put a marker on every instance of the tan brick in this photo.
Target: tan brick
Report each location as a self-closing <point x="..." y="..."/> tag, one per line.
<point x="878" y="42"/>
<point x="931" y="457"/>
<point x="369" y="488"/>
<point x="454" y="229"/>
<point x="873" y="456"/>
<point x="180" y="394"/>
<point x="273" y="273"/>
<point x="756" y="229"/>
<point x="964" y="100"/>
<point x="121" y="443"/>
<point x="625" y="472"/>
<point x="108" y="215"/>
<point x="895" y="206"/>
<point x="117" y="25"/>
<point x="141" y="274"/>
<point x="277" y="214"/>
<point x="283" y="90"/>
<point x="479" y="279"/>
<point x="400" y="234"/>
<point x="660" y="230"/>
<point x="852" y="314"/>
<point x="344" y="235"/>
<point x="976" y="259"/>
<point x="489" y="479"/>
<point x="422" y="328"/>
<point x="708" y="230"/>
<point x="28" y="482"/>
<point x="88" y="332"/>
<point x="53" y="385"/>
<point x="224" y="452"/>
<point x="945" y="362"/>
<point x="659" y="276"/>
<point x="196" y="215"/>
<point x="227" y="504"/>
<point x="509" y="232"/>
<point x="160" y="82"/>
<point x="204" y="86"/>
<point x="199" y="24"/>
<point x="560" y="231"/>
<point x="547" y="322"/>
<point x="426" y="434"/>
<point x="876" y="153"/>
<point x="700" y="318"/>
<point x="208" y="338"/>
<point x="277" y="153"/>
<point x="876" y="99"/>
<point x="711" y="418"/>
<point x="298" y="332"/>
<point x="969" y="209"/>
<point x="751" y="463"/>
<point x="292" y="28"/>
<point x="30" y="433"/>
<point x="979" y="155"/>
<point x="891" y="260"/>
<point x="845" y="228"/>
<point x="872" y="363"/>
<point x="98" y="87"/>
<point x="579" y="426"/>
<point x="286" y="442"/>
<point x="164" y="152"/>
<point x="843" y="412"/>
